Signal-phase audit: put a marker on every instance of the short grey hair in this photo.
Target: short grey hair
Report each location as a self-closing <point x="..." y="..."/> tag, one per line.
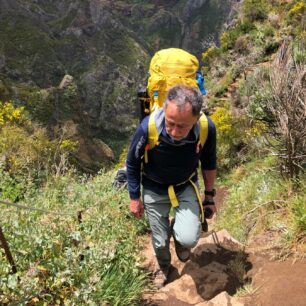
<point x="182" y="94"/>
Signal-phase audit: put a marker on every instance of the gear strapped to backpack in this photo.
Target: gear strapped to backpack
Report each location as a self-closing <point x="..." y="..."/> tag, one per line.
<point x="169" y="67"/>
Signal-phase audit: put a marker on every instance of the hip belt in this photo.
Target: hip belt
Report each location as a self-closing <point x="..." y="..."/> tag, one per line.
<point x="172" y="196"/>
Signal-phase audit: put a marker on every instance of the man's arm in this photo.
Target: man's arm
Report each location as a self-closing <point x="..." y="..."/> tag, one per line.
<point x="209" y="180"/>
<point x="133" y="165"/>
<point x="209" y="177"/>
<point x="208" y="164"/>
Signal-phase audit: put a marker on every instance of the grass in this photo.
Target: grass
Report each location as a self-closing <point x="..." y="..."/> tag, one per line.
<point x="238" y="266"/>
<point x="62" y="261"/>
<point x="246" y="289"/>
<point x="259" y="200"/>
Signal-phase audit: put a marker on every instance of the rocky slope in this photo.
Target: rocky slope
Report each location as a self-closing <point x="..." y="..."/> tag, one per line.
<point x="104" y="45"/>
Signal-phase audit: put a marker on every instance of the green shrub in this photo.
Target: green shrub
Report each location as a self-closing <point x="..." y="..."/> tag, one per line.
<point x="254" y="10"/>
<point x="210" y="54"/>
<point x="219" y="89"/>
<point x="267" y="30"/>
<point x="246" y="27"/>
<point x="228" y="39"/>
<point x="298" y="214"/>
<point x="299" y="51"/>
<point x="27" y="154"/>
<point x="256" y="88"/>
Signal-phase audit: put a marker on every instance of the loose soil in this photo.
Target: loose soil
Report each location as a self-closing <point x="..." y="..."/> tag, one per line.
<point x="211" y="271"/>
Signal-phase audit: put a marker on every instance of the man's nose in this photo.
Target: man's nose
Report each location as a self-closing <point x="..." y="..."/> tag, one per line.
<point x="175" y="132"/>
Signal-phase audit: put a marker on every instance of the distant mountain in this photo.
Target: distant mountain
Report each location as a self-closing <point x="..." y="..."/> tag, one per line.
<point x="104" y="45"/>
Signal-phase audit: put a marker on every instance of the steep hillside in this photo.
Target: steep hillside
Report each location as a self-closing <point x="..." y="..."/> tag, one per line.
<point x="104" y="45"/>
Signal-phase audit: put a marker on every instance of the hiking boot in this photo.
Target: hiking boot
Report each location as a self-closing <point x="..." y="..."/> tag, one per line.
<point x="182" y="252"/>
<point x="160" y="277"/>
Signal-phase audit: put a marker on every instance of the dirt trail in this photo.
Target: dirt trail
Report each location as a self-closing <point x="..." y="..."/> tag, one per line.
<point x="219" y="266"/>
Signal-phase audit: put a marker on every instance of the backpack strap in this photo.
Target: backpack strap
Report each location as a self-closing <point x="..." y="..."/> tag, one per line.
<point x="173" y="199"/>
<point x="203" y="130"/>
<point x="152" y="136"/>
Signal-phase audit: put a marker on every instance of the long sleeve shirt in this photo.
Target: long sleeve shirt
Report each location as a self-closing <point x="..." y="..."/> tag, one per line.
<point x="170" y="162"/>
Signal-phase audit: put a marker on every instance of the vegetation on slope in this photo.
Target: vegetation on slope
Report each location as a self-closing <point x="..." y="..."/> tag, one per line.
<point x="62" y="261"/>
<point x="81" y="246"/>
<point x="256" y="80"/>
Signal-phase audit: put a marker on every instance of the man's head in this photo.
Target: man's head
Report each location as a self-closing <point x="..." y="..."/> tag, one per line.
<point x="182" y="110"/>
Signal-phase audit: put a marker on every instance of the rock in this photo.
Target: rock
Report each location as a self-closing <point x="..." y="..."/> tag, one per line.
<point x="211" y="275"/>
<point x="66" y="81"/>
<point x="157" y="297"/>
<point x="219" y="238"/>
<point x="4" y="90"/>
<point x="222" y="299"/>
<point x="2" y="61"/>
<point x="106" y="151"/>
<point x="93" y="153"/>
<point x="191" y="6"/>
<point x="184" y="289"/>
<point x="71" y="128"/>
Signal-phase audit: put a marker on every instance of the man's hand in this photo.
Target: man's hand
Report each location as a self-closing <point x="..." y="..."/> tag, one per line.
<point x="137" y="208"/>
<point x="208" y="208"/>
<point x="212" y="211"/>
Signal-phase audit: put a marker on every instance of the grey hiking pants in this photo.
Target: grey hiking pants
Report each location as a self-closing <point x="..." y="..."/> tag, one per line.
<point x="187" y="226"/>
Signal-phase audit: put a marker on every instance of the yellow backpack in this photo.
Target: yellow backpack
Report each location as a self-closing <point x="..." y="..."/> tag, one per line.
<point x="168" y="67"/>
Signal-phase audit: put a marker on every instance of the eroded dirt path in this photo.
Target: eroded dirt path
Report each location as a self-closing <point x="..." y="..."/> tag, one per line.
<point x="220" y="266"/>
<point x="274" y="282"/>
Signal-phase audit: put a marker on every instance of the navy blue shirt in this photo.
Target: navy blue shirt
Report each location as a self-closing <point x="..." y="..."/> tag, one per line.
<point x="170" y="162"/>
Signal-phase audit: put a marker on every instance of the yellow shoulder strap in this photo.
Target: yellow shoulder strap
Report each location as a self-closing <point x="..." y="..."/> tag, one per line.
<point x="152" y="135"/>
<point x="203" y="129"/>
<point x="152" y="132"/>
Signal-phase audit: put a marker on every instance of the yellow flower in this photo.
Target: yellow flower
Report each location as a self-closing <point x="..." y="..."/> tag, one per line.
<point x="10" y="114"/>
<point x="68" y="145"/>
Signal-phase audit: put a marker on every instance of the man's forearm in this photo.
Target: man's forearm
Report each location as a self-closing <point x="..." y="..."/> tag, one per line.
<point x="209" y="177"/>
<point x="133" y="176"/>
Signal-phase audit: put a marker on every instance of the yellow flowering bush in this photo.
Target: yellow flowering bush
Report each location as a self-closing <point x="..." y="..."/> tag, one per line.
<point x="225" y="123"/>
<point x="227" y="41"/>
<point x="233" y="134"/>
<point x="27" y="154"/>
<point x="69" y="145"/>
<point x="210" y="53"/>
<point x="255" y="130"/>
<point x="24" y="152"/>
<point x="296" y="17"/>
<point x="10" y="114"/>
<point x="298" y="10"/>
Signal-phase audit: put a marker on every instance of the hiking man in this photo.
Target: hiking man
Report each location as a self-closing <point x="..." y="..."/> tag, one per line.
<point x="169" y="176"/>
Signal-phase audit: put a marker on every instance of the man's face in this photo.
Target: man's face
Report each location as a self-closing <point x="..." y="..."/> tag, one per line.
<point x="179" y="122"/>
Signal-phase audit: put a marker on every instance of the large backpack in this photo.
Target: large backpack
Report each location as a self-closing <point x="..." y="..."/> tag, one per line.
<point x="169" y="67"/>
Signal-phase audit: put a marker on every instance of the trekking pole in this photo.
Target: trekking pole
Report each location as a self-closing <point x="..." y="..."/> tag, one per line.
<point x="7" y="251"/>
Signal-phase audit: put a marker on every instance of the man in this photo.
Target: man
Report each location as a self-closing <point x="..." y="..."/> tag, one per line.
<point x="172" y="162"/>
